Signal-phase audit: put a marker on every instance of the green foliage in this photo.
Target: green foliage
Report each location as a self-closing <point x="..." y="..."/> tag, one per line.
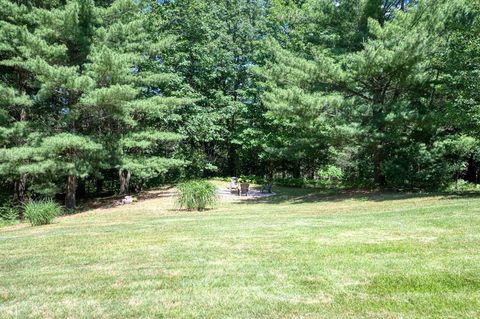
<point x="196" y="195"/>
<point x="331" y="175"/>
<point x="247" y="179"/>
<point x="41" y="212"/>
<point x="82" y="93"/>
<point x="8" y="212"/>
<point x="462" y="186"/>
<point x="363" y="93"/>
<point x="379" y="97"/>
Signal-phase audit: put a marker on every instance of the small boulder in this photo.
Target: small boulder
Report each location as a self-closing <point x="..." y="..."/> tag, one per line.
<point x="127" y="200"/>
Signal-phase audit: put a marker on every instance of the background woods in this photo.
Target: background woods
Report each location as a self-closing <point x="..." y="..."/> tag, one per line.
<point x="114" y="96"/>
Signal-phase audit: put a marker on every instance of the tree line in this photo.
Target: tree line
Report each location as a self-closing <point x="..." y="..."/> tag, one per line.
<point x="123" y="94"/>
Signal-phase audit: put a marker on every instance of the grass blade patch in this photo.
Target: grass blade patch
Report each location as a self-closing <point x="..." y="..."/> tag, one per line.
<point x="196" y="195"/>
<point x="41" y="212"/>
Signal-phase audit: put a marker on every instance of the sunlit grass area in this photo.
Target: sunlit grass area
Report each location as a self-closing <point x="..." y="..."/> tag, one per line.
<point x="300" y="253"/>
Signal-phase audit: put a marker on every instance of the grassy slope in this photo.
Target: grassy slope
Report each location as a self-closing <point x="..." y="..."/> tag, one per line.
<point x="295" y="255"/>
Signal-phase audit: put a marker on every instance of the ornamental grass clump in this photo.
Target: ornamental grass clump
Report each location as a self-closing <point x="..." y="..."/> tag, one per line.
<point x="196" y="195"/>
<point x="41" y="212"/>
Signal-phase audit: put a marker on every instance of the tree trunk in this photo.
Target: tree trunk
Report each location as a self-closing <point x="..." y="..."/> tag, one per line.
<point x="81" y="188"/>
<point x="232" y="160"/>
<point x="20" y="184"/>
<point x="296" y="172"/>
<point x="124" y="180"/>
<point x="123" y="183"/>
<point x="311" y="171"/>
<point x="379" y="178"/>
<point x="70" y="201"/>
<point x="128" y="180"/>
<point x="471" y="175"/>
<point x="99" y="188"/>
<point x="19" y="188"/>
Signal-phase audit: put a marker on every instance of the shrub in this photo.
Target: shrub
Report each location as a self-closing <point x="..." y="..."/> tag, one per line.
<point x="41" y="212"/>
<point x="8" y="213"/>
<point x="331" y="174"/>
<point x="196" y="195"/>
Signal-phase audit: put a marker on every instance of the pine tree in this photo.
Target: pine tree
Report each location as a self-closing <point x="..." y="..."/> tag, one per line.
<point x="21" y="51"/>
<point x="102" y="97"/>
<point x="62" y="88"/>
<point x="378" y="93"/>
<point x="127" y="65"/>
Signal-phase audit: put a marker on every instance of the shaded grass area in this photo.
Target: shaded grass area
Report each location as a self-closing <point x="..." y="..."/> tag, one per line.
<point x="298" y="254"/>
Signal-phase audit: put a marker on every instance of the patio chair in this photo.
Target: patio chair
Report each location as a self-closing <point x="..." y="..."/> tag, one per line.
<point x="243" y="189"/>
<point x="267" y="188"/>
<point x="233" y="185"/>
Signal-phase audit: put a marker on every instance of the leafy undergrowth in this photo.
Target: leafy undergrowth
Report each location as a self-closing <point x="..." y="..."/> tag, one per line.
<point x="298" y="254"/>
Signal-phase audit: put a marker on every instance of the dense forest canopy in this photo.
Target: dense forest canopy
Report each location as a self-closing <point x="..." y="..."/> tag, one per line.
<point x="118" y="95"/>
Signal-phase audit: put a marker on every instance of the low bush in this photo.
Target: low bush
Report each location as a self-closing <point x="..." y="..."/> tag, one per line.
<point x="463" y="186"/>
<point x="41" y="212"/>
<point x="196" y="195"/>
<point x="8" y="213"/>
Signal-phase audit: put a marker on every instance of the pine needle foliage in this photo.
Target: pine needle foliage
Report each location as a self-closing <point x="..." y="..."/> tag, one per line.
<point x="196" y="195"/>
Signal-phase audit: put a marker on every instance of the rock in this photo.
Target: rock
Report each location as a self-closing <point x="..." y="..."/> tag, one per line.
<point x="127" y="200"/>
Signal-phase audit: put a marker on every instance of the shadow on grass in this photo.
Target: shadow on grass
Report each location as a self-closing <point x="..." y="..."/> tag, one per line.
<point x="284" y="195"/>
<point x="190" y="211"/>
<point x="312" y="195"/>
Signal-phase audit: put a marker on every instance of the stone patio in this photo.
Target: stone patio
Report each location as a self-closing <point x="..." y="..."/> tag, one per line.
<point x="226" y="194"/>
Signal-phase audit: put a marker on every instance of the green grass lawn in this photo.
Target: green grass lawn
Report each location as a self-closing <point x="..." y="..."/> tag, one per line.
<point x="299" y="254"/>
